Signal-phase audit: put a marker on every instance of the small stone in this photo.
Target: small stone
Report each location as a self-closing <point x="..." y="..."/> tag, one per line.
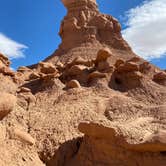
<point x="81" y="61"/>
<point x="159" y="76"/>
<point x="46" y="68"/>
<point x="73" y="84"/>
<point x="103" y="54"/>
<point x="23" y="136"/>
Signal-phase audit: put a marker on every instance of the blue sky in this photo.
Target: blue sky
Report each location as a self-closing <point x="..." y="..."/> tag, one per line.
<point x="30" y="28"/>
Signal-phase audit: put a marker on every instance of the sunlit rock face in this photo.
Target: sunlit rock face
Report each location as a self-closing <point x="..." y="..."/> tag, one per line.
<point x="84" y="23"/>
<point x="84" y="30"/>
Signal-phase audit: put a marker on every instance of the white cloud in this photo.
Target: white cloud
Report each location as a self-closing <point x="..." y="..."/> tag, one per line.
<point x="11" y="48"/>
<point x="146" y="29"/>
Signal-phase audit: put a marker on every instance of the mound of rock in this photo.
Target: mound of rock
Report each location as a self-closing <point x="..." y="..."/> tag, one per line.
<point x="93" y="102"/>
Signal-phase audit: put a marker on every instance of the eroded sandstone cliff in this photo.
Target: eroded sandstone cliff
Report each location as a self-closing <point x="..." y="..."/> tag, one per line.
<point x="92" y="103"/>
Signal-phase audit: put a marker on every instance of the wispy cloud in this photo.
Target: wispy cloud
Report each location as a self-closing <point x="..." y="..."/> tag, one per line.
<point x="11" y="48"/>
<point x="146" y="29"/>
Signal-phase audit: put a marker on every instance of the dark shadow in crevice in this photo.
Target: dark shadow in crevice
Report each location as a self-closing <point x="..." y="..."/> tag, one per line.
<point x="163" y="153"/>
<point x="39" y="85"/>
<point x="66" y="152"/>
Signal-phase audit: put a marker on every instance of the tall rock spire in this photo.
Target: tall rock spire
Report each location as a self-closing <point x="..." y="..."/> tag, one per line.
<point x="84" y="25"/>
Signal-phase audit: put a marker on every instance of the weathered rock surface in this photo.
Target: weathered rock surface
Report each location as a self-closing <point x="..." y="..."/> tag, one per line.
<point x="84" y="30"/>
<point x="92" y="103"/>
<point x="73" y="84"/>
<point x="7" y="104"/>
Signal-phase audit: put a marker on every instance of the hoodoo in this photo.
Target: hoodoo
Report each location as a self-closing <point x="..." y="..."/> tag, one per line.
<point x="93" y="102"/>
<point x="84" y="30"/>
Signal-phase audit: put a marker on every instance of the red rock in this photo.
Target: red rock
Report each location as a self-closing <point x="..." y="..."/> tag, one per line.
<point x="46" y="68"/>
<point x="103" y="54"/>
<point x="73" y="84"/>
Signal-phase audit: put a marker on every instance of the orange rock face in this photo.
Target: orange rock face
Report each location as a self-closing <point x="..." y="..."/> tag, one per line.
<point x="93" y="102"/>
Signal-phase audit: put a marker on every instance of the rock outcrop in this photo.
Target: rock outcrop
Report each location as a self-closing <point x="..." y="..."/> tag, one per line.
<point x="93" y="102"/>
<point x="85" y="28"/>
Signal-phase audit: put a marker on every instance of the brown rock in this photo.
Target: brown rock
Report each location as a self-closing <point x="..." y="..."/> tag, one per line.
<point x="59" y="65"/>
<point x="152" y="143"/>
<point x="76" y="69"/>
<point x="145" y="67"/>
<point x="97" y="130"/>
<point x="96" y="75"/>
<point x="119" y="62"/>
<point x="128" y="67"/>
<point x="23" y="90"/>
<point x="4" y="60"/>
<point x="73" y="84"/>
<point x="46" y="68"/>
<point x="23" y="136"/>
<point x="7" y="104"/>
<point x="103" y="54"/>
<point x="5" y="66"/>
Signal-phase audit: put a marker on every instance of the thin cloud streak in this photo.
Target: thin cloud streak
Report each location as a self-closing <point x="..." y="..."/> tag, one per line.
<point x="11" y="48"/>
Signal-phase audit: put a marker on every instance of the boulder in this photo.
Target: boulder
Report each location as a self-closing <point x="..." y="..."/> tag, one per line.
<point x="119" y="62"/>
<point x="145" y="67"/>
<point x="104" y="66"/>
<point x="34" y="75"/>
<point x="103" y="54"/>
<point x="47" y="77"/>
<point x="7" y="104"/>
<point x="46" y="68"/>
<point x="128" y="67"/>
<point x="159" y="76"/>
<point x="23" y="69"/>
<point x="59" y="65"/>
<point x="7" y="71"/>
<point x="76" y="69"/>
<point x="80" y="61"/>
<point x="5" y="66"/>
<point x="73" y="84"/>
<point x="22" y="136"/>
<point x="97" y="130"/>
<point x="152" y="142"/>
<point x="96" y="75"/>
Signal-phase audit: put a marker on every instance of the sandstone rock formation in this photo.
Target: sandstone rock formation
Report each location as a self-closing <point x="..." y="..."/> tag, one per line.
<point x="92" y="103"/>
<point x="84" y="29"/>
